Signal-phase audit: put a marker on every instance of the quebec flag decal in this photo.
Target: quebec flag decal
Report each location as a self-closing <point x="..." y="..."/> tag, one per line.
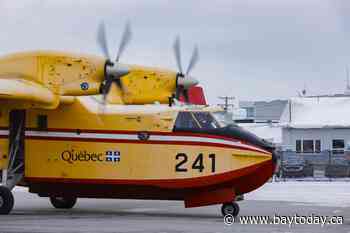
<point x="112" y="156"/>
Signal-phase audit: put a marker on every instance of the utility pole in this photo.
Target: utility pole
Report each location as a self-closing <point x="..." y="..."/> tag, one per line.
<point x="226" y="103"/>
<point x="347" y="89"/>
<point x="347" y="78"/>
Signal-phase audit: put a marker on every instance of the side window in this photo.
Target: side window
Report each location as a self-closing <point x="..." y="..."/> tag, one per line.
<point x="308" y="146"/>
<point x="185" y="120"/>
<point x="338" y="146"/>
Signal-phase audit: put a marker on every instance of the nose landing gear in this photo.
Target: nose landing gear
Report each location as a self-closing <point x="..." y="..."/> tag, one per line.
<point x="231" y="208"/>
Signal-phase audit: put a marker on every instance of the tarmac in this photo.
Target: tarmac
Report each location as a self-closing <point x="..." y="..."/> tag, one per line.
<point x="34" y="214"/>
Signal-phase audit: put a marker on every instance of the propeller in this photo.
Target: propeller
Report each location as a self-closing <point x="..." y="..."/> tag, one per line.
<point x="113" y="70"/>
<point x="184" y="81"/>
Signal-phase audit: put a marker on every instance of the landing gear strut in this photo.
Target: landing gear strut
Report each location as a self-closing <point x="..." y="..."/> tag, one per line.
<point x="14" y="172"/>
<point x="6" y="200"/>
<point x="63" y="202"/>
<point x="231" y="208"/>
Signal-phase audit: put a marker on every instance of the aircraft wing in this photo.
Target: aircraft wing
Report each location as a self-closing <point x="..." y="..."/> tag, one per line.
<point x="20" y="91"/>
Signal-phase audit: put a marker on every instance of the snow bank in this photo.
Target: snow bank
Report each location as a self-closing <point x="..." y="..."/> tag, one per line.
<point x="316" y="193"/>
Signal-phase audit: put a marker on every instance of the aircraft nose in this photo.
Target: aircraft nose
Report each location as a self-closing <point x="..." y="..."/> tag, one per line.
<point x="187" y="81"/>
<point x="239" y="133"/>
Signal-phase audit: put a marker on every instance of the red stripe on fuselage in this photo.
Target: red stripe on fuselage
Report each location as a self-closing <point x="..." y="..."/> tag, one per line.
<point x="142" y="142"/>
<point x="133" y="132"/>
<point x="200" y="135"/>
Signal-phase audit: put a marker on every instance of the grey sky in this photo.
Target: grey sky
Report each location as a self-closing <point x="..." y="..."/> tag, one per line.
<point x="252" y="49"/>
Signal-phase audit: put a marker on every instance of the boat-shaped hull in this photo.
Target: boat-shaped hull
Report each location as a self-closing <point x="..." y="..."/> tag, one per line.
<point x="152" y="165"/>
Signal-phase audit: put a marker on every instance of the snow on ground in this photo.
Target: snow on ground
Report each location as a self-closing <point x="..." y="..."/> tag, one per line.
<point x="20" y="189"/>
<point x="316" y="193"/>
<point x="322" y="193"/>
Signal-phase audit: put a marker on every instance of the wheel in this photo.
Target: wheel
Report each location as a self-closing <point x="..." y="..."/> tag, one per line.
<point x="231" y="208"/>
<point x="63" y="202"/>
<point x="6" y="200"/>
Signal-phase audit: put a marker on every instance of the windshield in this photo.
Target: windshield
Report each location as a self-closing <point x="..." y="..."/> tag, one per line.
<point x="223" y="118"/>
<point x="206" y="120"/>
<point x="196" y="120"/>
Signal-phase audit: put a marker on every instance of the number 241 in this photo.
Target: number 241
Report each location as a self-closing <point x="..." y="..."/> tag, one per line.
<point x="197" y="163"/>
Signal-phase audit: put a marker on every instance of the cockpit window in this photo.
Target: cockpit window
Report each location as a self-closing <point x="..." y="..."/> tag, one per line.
<point x="185" y="120"/>
<point x="223" y="118"/>
<point x="195" y="120"/>
<point x="206" y="120"/>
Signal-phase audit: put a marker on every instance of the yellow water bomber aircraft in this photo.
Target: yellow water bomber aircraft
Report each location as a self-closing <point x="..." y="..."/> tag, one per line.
<point x="77" y="126"/>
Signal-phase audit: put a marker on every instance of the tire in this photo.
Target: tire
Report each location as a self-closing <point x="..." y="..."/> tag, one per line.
<point x="231" y="208"/>
<point x="6" y="200"/>
<point x="63" y="202"/>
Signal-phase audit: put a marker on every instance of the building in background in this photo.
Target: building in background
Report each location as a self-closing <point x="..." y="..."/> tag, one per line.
<point x="269" y="111"/>
<point x="312" y="133"/>
<point x="262" y="118"/>
<point x="262" y="111"/>
<point x="316" y="136"/>
<point x="271" y="132"/>
<point x="315" y="124"/>
<point x="248" y="109"/>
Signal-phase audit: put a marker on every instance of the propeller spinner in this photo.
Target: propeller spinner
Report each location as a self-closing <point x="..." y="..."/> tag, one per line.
<point x="184" y="81"/>
<point x="113" y="71"/>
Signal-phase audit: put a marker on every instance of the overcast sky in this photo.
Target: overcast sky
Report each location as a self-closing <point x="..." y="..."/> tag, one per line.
<point x="251" y="49"/>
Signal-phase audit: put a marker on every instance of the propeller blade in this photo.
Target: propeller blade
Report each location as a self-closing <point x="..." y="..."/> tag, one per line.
<point x="118" y="82"/>
<point x="185" y="94"/>
<point x="177" y="52"/>
<point x="126" y="37"/>
<point x="108" y="85"/>
<point x="178" y="92"/>
<point x="102" y="41"/>
<point x="193" y="60"/>
<point x="182" y="91"/>
<point x="106" y="89"/>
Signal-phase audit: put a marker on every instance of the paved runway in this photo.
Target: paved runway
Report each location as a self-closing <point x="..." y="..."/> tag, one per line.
<point x="34" y="214"/>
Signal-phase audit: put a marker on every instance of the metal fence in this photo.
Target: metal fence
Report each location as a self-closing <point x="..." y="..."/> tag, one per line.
<point x="324" y="164"/>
